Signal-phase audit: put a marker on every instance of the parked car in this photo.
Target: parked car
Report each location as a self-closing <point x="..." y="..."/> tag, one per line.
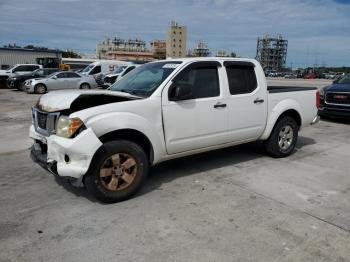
<point x="160" y="111"/>
<point x="290" y="75"/>
<point x="17" y="81"/>
<point x="18" y="69"/>
<point x="59" y="80"/>
<point x="311" y="75"/>
<point x="335" y="99"/>
<point x="117" y="74"/>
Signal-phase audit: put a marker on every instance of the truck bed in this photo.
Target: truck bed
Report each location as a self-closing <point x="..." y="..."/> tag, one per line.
<point x="282" y="89"/>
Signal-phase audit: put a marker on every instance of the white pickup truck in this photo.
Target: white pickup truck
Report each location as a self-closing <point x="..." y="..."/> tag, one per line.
<point x="108" y="139"/>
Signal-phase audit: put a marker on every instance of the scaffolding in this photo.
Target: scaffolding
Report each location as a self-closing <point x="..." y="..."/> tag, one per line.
<point x="271" y="52"/>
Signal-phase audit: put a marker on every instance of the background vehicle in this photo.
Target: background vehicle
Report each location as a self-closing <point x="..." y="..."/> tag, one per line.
<point x="100" y="68"/>
<point x="18" y="80"/>
<point x="59" y="80"/>
<point x="18" y="69"/>
<point x="335" y="99"/>
<point x="118" y="73"/>
<point x="290" y="75"/>
<point x="160" y="111"/>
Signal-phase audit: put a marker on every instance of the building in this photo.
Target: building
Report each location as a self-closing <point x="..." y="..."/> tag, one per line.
<point x="223" y="53"/>
<point x="271" y="52"/>
<point x="16" y="55"/>
<point x="158" y="48"/>
<point x="176" y="39"/>
<point x="126" y="50"/>
<point x="200" y="50"/>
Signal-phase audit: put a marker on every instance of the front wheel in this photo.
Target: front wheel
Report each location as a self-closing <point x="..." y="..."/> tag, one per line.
<point x="40" y="89"/>
<point x="84" y="86"/>
<point x="283" y="138"/>
<point x="117" y="171"/>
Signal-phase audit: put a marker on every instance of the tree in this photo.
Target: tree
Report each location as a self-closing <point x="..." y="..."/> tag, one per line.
<point x="70" y="54"/>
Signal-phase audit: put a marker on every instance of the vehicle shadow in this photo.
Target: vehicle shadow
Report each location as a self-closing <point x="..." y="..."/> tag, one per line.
<point x="173" y="169"/>
<point x="204" y="162"/>
<point x="337" y="120"/>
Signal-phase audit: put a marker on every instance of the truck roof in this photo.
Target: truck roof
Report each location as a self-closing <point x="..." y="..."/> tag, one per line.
<point x="190" y="59"/>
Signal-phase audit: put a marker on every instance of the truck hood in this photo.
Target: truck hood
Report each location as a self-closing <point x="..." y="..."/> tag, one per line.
<point x="75" y="100"/>
<point x="338" y="88"/>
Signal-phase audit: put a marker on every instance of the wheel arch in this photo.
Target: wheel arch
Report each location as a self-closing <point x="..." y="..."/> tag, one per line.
<point x="131" y="135"/>
<point x="285" y="108"/>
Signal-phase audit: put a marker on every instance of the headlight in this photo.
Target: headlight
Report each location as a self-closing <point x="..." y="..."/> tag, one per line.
<point x="67" y="127"/>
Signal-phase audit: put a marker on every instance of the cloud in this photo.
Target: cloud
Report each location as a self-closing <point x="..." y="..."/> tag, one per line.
<point x="317" y="30"/>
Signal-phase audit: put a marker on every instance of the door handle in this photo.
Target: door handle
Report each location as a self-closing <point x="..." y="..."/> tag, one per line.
<point x="258" y="101"/>
<point x="219" y="105"/>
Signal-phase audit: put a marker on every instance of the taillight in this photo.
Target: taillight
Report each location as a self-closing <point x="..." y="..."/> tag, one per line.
<point x="318" y="102"/>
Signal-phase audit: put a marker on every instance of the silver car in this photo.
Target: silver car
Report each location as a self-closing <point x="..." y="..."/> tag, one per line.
<point x="60" y="80"/>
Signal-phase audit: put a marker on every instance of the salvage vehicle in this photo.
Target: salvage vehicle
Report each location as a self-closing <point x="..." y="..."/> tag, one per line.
<point x="108" y="139"/>
<point x="17" y="81"/>
<point x="335" y="99"/>
<point x="118" y="73"/>
<point x="59" y="80"/>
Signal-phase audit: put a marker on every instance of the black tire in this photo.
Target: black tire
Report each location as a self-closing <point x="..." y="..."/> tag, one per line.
<point x="94" y="183"/>
<point x="85" y="86"/>
<point x="40" y="89"/>
<point x="273" y="144"/>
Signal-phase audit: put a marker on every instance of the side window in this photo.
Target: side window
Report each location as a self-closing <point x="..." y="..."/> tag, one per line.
<point x="128" y="70"/>
<point x="32" y="68"/>
<point x="20" y="69"/>
<point x="202" y="80"/>
<point x="95" y="70"/>
<point x="241" y="79"/>
<point x="72" y="75"/>
<point x="61" y="75"/>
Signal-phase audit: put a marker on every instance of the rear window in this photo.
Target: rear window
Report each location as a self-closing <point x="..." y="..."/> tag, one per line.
<point x="241" y="79"/>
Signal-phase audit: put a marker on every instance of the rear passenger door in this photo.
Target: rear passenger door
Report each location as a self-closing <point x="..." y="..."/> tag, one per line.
<point x="199" y="120"/>
<point x="72" y="80"/>
<point x="247" y="101"/>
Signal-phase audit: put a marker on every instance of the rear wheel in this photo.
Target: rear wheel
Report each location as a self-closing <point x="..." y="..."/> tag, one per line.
<point x="283" y="138"/>
<point x="117" y="171"/>
<point x="84" y="86"/>
<point x="40" y="89"/>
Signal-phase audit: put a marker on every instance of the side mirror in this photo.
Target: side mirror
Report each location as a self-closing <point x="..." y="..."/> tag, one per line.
<point x="54" y="77"/>
<point x="180" y="92"/>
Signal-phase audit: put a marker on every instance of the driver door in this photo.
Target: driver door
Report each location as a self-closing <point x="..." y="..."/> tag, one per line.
<point x="201" y="119"/>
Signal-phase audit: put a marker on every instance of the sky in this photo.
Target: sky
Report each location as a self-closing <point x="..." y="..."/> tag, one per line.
<point x="318" y="31"/>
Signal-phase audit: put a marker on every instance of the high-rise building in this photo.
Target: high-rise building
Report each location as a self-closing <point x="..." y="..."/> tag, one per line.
<point x="176" y="41"/>
<point x="158" y="48"/>
<point x="271" y="52"/>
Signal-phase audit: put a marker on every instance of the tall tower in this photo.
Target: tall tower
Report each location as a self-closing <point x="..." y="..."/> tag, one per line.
<point x="176" y="41"/>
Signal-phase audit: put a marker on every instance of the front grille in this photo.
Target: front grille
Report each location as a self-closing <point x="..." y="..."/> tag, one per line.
<point x="41" y="119"/>
<point x="338" y="98"/>
<point x="44" y="122"/>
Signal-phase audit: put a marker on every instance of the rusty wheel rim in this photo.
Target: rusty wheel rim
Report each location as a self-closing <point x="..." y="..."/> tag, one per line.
<point x="118" y="172"/>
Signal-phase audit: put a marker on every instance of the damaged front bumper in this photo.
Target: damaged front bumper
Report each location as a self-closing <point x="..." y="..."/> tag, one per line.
<point x="65" y="157"/>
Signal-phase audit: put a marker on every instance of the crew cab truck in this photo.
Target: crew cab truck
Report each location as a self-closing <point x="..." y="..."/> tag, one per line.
<point x="108" y="139"/>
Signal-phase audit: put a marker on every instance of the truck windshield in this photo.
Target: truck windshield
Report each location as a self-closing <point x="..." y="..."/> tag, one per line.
<point x="88" y="68"/>
<point x="119" y="69"/>
<point x="345" y="80"/>
<point x="144" y="80"/>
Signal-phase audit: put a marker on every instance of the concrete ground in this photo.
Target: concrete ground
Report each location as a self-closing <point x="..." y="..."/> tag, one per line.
<point x="235" y="204"/>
